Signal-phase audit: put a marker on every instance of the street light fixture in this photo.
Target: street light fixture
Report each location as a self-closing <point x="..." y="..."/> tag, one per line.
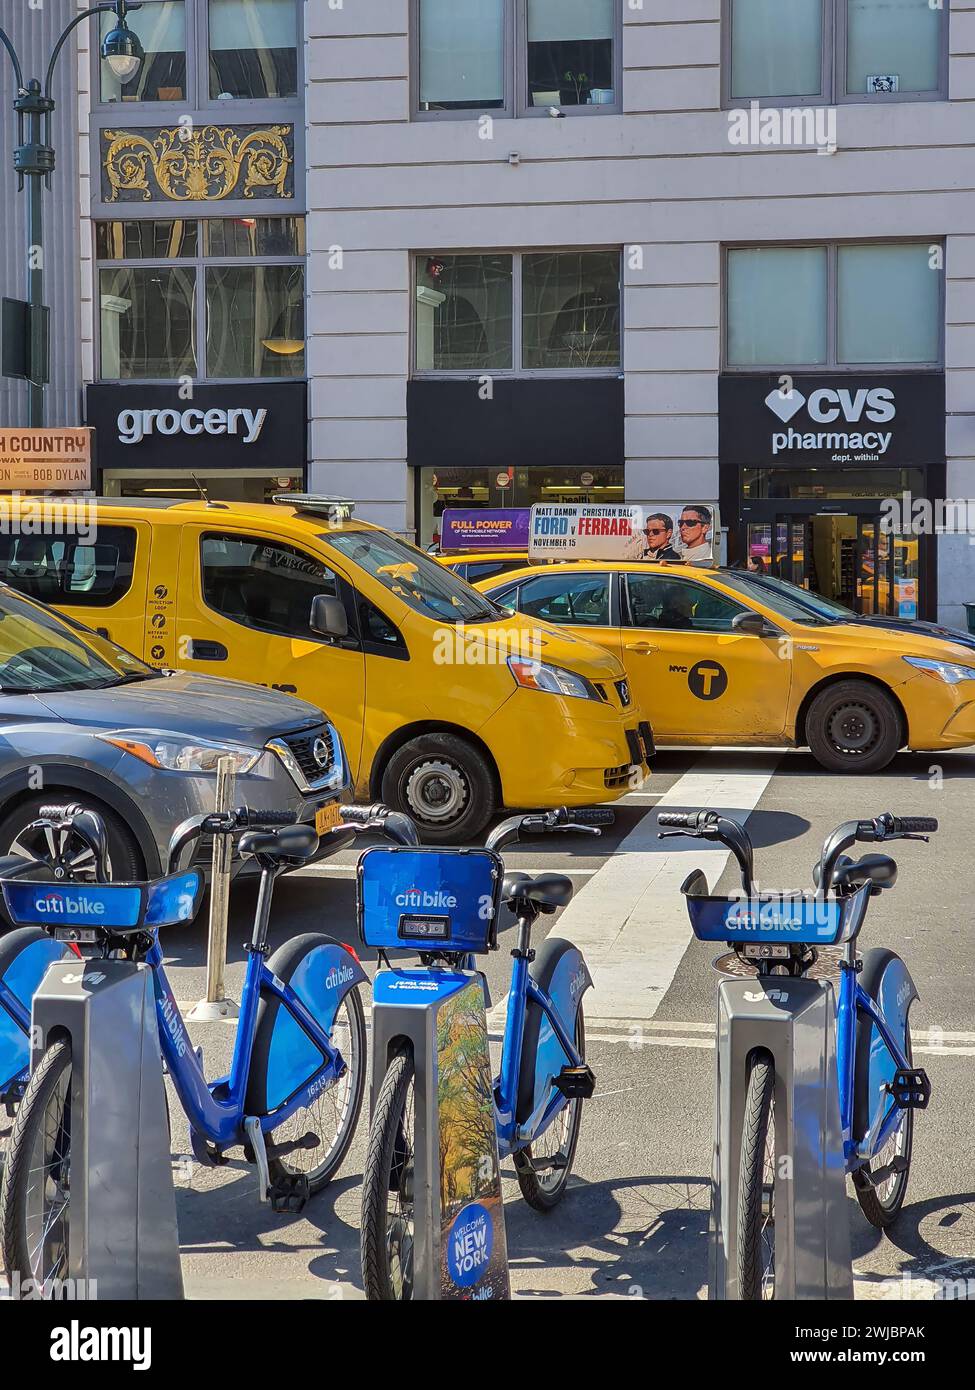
<point x="34" y="161"/>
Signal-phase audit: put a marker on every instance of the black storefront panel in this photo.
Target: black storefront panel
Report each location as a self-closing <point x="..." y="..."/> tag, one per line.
<point x="218" y="428"/>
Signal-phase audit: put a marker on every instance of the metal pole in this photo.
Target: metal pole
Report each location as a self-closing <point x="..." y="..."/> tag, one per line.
<point x="216" y="1005"/>
<point x="35" y="274"/>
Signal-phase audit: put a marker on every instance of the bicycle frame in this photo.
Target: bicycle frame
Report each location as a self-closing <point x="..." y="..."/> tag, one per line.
<point x="853" y="1000"/>
<point x="215" y="1109"/>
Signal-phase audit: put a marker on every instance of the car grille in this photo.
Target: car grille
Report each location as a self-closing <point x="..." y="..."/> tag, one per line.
<point x="307" y="751"/>
<point x="616" y="777"/>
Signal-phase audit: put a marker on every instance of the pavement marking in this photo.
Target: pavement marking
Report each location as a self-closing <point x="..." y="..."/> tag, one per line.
<point x="629" y="920"/>
<point x="326" y="870"/>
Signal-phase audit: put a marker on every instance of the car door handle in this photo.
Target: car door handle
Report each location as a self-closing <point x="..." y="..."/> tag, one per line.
<point x="641" y="648"/>
<point x="207" y="651"/>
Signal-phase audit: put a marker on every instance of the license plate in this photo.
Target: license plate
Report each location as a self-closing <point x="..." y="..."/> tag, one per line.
<point x="328" y="817"/>
<point x="765" y="951"/>
<point x="81" y="936"/>
<point x="424" y="928"/>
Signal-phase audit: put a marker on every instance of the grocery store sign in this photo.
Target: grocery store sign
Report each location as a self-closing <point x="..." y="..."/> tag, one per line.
<point x="48" y="460"/>
<point x="668" y="532"/>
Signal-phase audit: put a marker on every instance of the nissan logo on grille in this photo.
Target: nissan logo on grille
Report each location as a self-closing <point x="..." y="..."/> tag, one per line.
<point x="321" y="752"/>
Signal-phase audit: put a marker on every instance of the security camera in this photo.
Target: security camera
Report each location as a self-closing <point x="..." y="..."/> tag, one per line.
<point x="554" y="111"/>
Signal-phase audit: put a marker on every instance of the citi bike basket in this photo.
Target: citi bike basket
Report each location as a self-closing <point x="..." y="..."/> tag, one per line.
<point x="432" y="1218"/>
<point x="812" y="1085"/>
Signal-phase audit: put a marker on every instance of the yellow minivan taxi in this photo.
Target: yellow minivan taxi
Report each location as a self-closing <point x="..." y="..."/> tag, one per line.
<point x="449" y="707"/>
<point x="727" y="657"/>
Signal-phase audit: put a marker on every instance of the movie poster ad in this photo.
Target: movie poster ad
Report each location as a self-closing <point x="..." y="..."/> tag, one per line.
<point x="686" y="533"/>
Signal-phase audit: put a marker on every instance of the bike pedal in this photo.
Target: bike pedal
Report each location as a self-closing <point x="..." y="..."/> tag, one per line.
<point x="289" y="1193"/>
<point x="898" y="1164"/>
<point x="911" y="1088"/>
<point x="576" y="1083"/>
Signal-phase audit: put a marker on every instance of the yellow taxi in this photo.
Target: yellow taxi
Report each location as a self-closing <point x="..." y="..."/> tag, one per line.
<point x="727" y="657"/>
<point x="449" y="707"/>
<point x="489" y="564"/>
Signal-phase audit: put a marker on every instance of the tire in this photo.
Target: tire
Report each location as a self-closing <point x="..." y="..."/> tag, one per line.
<point x="343" y="1101"/>
<point x="544" y="1191"/>
<point x="41" y="1137"/>
<point x="124" y="856"/>
<point x="445" y="783"/>
<point x="853" y="726"/>
<point x="388" y="1177"/>
<point x="756" y="1177"/>
<point x="882" y="1206"/>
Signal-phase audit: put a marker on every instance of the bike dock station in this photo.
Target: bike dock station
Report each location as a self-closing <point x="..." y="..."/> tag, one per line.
<point x="794" y="1020"/>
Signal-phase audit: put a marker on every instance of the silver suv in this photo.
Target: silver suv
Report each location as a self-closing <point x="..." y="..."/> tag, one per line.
<point x="82" y="720"/>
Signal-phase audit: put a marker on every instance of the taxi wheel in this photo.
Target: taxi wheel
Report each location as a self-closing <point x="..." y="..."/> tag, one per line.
<point x="853" y="727"/>
<point x="445" y="784"/>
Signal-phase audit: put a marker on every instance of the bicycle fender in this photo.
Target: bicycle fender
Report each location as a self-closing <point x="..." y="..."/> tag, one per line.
<point x="285" y="1058"/>
<point x="25" y="955"/>
<point x="888" y="982"/>
<point x="560" y="970"/>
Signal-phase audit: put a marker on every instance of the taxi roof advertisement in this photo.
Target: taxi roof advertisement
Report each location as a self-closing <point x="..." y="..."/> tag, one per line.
<point x="485" y="529"/>
<point x="668" y="532"/>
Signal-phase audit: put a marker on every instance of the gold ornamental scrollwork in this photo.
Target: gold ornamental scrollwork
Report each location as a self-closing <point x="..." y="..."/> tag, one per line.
<point x="209" y="164"/>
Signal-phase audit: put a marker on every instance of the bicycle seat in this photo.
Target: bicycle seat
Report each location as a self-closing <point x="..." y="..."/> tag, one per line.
<point x="879" y="870"/>
<point x="297" y="842"/>
<point x="547" y="892"/>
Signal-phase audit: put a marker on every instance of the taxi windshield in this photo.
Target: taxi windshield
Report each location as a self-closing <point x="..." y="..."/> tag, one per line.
<point x="788" y="600"/>
<point x="41" y="652"/>
<point x="426" y="586"/>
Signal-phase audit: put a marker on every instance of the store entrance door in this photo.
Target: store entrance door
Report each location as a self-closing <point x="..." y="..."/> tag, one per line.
<point x="847" y="556"/>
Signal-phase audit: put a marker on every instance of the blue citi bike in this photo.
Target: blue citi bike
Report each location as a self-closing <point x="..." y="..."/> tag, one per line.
<point x="294" y="1092"/>
<point x="879" y="1086"/>
<point x="443" y="905"/>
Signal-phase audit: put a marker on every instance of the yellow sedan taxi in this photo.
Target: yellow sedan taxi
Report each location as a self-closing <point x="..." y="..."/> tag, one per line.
<point x="727" y="657"/>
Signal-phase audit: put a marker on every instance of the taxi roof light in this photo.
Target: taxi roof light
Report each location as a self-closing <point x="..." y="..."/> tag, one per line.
<point x="317" y="504"/>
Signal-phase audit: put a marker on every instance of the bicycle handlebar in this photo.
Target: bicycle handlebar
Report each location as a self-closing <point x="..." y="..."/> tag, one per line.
<point x="586" y="821"/>
<point x="709" y="825"/>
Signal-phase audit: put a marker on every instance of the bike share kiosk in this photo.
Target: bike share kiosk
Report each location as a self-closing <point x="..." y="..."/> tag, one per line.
<point x="792" y="1019"/>
<point x="443" y="905"/>
<point x="122" y="1232"/>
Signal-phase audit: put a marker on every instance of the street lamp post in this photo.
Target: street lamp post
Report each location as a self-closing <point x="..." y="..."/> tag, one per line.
<point x="34" y="162"/>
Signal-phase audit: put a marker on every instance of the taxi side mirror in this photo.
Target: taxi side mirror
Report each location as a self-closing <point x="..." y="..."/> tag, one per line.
<point x="328" y="616"/>
<point x="751" y="625"/>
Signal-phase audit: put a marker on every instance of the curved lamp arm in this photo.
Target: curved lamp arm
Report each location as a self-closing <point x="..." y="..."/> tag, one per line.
<point x="18" y="72"/>
<point x="66" y="33"/>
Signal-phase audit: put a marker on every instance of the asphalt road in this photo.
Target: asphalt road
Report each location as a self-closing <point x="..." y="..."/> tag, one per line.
<point x="634" y="1222"/>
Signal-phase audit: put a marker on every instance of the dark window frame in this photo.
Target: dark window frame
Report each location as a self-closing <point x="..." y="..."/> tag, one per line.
<point x="127" y="556"/>
<point x="658" y="572"/>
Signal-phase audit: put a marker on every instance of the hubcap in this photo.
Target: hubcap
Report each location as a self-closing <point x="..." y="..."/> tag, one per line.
<point x="437" y="791"/>
<point x="853" y="729"/>
<point x="60" y="851"/>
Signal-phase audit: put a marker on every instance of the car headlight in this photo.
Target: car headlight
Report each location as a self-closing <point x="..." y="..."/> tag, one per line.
<point x="176" y="754"/>
<point x="948" y="671"/>
<point x="554" y="680"/>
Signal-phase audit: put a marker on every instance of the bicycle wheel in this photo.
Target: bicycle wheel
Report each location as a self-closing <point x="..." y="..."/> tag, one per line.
<point x="332" y="1116"/>
<point x="881" y="1205"/>
<point x="387" y="1188"/>
<point x="756" y="1190"/>
<point x="543" y="1168"/>
<point x="36" y="1196"/>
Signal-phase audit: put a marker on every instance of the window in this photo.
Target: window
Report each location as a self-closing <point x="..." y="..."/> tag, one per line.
<point x="203" y="52"/>
<point x="221" y="300"/>
<point x="580" y="600"/>
<point x="676" y="605"/>
<point x="542" y="311"/>
<point x="162" y="74"/>
<point x="267" y="586"/>
<point x="836" y="50"/>
<point x="864" y="303"/>
<point x="69" y="570"/>
<point x="419" y="582"/>
<point x="519" y="56"/>
<point x="253" y="49"/>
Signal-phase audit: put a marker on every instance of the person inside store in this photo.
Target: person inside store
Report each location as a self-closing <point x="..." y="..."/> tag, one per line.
<point x="756" y="564"/>
<point x="695" y="534"/>
<point x="659" y="536"/>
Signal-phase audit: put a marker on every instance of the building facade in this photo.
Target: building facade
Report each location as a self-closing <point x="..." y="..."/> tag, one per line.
<point x="432" y="253"/>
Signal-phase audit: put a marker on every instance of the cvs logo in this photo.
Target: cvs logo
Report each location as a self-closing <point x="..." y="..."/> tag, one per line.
<point x="826" y="405"/>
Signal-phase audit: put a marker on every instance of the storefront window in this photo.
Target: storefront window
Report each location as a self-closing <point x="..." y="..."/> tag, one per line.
<point x="147" y="322"/>
<point x="461" y="55"/>
<point x="889" y="304"/>
<point x="180" y="314"/>
<point x="570" y="52"/>
<point x="162" y="74"/>
<point x="571" y="315"/>
<point x="814" y="484"/>
<point x="463" y="313"/>
<point x="466" y="318"/>
<point x="253" y="49"/>
<point x="859" y="303"/>
<point x="776" y="48"/>
<point x="469" y="489"/>
<point x="255" y="321"/>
